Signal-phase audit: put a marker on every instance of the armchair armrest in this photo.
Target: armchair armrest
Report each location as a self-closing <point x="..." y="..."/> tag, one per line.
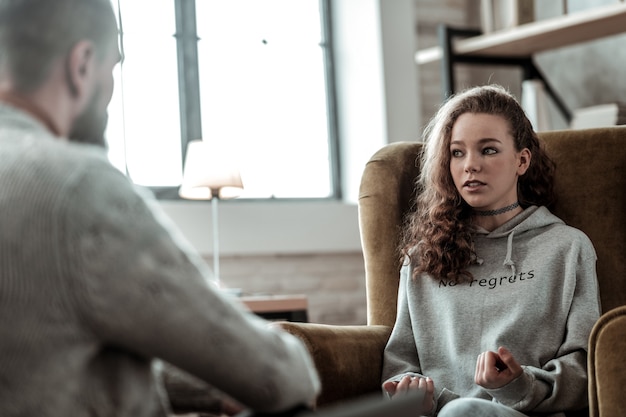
<point x="607" y="364"/>
<point x="348" y="358"/>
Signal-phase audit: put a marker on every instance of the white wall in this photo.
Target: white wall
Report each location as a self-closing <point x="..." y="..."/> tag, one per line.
<point x="377" y="104"/>
<point x="273" y="227"/>
<point x="376" y="78"/>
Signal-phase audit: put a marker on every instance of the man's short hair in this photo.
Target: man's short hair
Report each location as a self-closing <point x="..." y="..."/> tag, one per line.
<point x="34" y="33"/>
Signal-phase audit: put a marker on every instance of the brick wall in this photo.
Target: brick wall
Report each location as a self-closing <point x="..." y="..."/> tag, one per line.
<point x="334" y="283"/>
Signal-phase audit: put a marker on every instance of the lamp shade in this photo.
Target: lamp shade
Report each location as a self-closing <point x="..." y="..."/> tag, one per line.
<point x="210" y="171"/>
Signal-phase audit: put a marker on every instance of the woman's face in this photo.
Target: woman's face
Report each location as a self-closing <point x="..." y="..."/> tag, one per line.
<point x="484" y="163"/>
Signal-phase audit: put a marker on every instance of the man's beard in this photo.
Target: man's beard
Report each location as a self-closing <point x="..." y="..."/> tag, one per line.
<point x="89" y="127"/>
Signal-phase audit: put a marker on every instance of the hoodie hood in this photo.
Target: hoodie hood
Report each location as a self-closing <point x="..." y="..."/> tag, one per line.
<point x="532" y="218"/>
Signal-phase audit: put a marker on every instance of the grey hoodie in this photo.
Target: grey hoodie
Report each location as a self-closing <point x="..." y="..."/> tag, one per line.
<point x="534" y="292"/>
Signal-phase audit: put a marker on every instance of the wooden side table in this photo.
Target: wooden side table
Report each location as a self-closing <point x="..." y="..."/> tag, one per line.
<point x="278" y="307"/>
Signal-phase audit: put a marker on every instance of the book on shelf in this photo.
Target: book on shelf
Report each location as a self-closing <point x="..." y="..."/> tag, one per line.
<point x="601" y="115"/>
<point x="498" y="15"/>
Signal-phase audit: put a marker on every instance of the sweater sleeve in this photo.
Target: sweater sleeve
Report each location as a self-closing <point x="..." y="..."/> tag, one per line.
<point x="561" y="383"/>
<point x="400" y="355"/>
<point x="141" y="287"/>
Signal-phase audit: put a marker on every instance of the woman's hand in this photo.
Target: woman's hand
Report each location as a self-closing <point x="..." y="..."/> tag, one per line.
<point x="495" y="370"/>
<point x="410" y="384"/>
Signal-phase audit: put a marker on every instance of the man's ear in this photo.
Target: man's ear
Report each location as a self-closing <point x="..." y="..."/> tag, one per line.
<point x="79" y="68"/>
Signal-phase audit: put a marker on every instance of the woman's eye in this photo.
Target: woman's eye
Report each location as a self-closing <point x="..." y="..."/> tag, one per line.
<point x="456" y="153"/>
<point x="489" y="151"/>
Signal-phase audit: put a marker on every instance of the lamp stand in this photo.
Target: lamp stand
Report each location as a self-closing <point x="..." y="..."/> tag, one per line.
<point x="216" y="239"/>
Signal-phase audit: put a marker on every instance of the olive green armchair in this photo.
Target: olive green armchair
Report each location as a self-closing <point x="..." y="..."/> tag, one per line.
<point x="591" y="192"/>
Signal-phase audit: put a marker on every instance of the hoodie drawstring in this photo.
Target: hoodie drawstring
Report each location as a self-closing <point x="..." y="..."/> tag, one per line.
<point x="509" y="253"/>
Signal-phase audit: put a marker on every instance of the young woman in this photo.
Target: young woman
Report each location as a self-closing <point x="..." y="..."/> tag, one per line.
<point x="497" y="295"/>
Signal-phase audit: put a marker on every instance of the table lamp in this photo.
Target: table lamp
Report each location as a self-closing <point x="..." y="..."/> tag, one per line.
<point x="210" y="173"/>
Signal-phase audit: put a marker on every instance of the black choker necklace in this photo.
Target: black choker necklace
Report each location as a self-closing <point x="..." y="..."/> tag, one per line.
<point x="498" y="211"/>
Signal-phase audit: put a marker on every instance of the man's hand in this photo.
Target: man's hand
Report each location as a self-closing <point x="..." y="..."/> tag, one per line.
<point x="496" y="369"/>
<point x="409" y="384"/>
<point x="231" y="407"/>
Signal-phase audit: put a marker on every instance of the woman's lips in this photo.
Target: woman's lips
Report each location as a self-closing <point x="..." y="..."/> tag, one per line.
<point x="473" y="184"/>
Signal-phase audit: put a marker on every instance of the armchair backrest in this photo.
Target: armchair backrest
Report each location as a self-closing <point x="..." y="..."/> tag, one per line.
<point x="591" y="195"/>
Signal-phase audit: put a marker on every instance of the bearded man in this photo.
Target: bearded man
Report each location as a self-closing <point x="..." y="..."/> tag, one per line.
<point x="95" y="285"/>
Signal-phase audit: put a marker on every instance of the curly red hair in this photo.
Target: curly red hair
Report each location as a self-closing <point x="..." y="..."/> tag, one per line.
<point x="437" y="236"/>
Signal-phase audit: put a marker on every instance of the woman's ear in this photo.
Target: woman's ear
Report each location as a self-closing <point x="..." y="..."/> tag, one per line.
<point x="524" y="161"/>
<point x="79" y="69"/>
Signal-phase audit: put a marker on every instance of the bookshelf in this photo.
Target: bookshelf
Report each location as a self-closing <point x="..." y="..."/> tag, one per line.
<point x="530" y="38"/>
<point x="516" y="46"/>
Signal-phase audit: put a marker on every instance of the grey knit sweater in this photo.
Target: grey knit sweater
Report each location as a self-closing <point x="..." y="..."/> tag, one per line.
<point x="534" y="292"/>
<point x="95" y="284"/>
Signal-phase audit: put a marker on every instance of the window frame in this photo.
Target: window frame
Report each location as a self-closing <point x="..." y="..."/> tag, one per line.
<point x="190" y="105"/>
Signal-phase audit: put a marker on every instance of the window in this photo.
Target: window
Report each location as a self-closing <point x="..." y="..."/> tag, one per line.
<point x="263" y="90"/>
<point x="144" y="133"/>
